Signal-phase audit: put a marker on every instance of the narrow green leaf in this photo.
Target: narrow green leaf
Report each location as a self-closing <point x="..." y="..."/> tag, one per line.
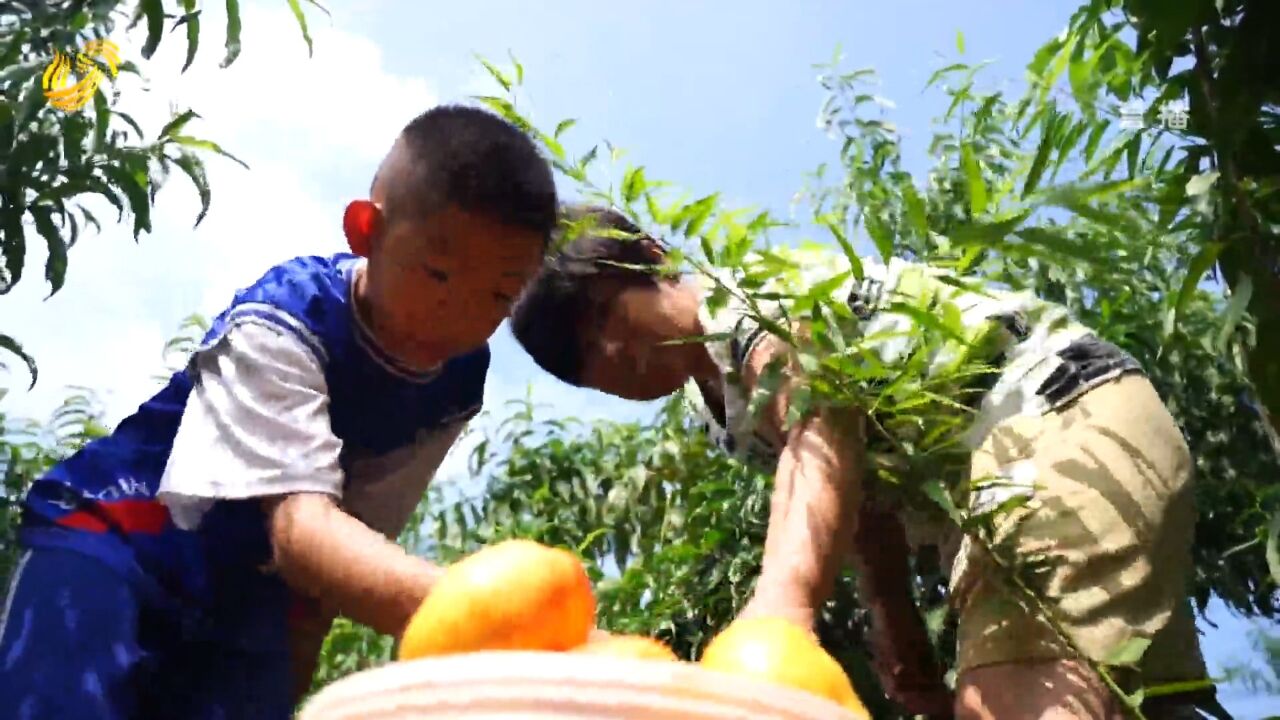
<point x="916" y="213"/>
<point x="1047" y="132"/>
<point x="973" y="177"/>
<point x="497" y="74"/>
<point x="133" y="124"/>
<point x="192" y="22"/>
<point x="154" y="12"/>
<point x="564" y="125"/>
<point x="936" y="491"/>
<point x="233" y="33"/>
<point x="175" y="125"/>
<point x="8" y="343"/>
<point x="699" y="212"/>
<point x="959" y="42"/>
<point x="881" y="235"/>
<point x="939" y="74"/>
<point x="135" y="191"/>
<point x="518" y="68"/>
<point x="14" y="244"/>
<point x="1200" y="265"/>
<point x="633" y="184"/>
<point x="55" y="267"/>
<point x="855" y="262"/>
<point x="1236" y="308"/>
<point x="1080" y="77"/>
<point x="301" y="19"/>
<point x="1095" y="137"/>
<point x="194" y="170"/>
<point x="987" y="233"/>
<point x="209" y="145"/>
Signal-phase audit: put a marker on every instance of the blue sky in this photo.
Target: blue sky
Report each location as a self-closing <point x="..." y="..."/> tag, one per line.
<point x="717" y="96"/>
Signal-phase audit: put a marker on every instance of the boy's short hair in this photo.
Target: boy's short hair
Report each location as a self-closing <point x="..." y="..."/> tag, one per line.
<point x="548" y="318"/>
<point x="473" y="159"/>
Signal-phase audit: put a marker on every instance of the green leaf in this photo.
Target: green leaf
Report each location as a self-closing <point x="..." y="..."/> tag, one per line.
<point x="855" y="262"/>
<point x="55" y="267"/>
<point x="194" y="169"/>
<point x="154" y="12"/>
<point x="940" y="73"/>
<point x="1048" y="132"/>
<point x="175" y="125"/>
<point x="1095" y="137"/>
<point x="209" y="145"/>
<point x="959" y="42"/>
<point x="633" y="184"/>
<point x="564" y="125"/>
<point x="987" y="233"/>
<point x="8" y="343"/>
<point x="1128" y="653"/>
<point x="14" y="244"/>
<point x="518" y="68"/>
<point x="1133" y="151"/>
<point x="1240" y="296"/>
<point x="135" y="191"/>
<point x="192" y="22"/>
<point x="973" y="176"/>
<point x="916" y="214"/>
<point x="301" y="19"/>
<point x="497" y="74"/>
<point x="698" y="213"/>
<point x="1200" y="265"/>
<point x="881" y="235"/>
<point x="1080" y="75"/>
<point x="233" y="33"/>
<point x="936" y="491"/>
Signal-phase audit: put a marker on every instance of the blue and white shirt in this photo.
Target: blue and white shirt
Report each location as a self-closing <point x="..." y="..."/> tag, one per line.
<point x="287" y="393"/>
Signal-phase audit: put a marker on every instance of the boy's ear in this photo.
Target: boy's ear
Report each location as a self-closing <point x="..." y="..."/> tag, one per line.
<point x="362" y="223"/>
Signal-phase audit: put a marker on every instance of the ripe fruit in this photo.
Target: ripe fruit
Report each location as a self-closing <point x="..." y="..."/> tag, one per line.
<point x="777" y="650"/>
<point x="629" y="646"/>
<point x="513" y="595"/>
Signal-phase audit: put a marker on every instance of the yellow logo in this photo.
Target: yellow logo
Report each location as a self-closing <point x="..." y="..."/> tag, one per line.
<point x="70" y="85"/>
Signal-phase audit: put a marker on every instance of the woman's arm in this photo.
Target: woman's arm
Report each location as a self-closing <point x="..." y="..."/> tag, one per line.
<point x="817" y="490"/>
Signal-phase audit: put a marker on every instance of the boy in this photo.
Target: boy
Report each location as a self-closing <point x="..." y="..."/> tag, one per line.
<point x="1071" y="421"/>
<point x="262" y="488"/>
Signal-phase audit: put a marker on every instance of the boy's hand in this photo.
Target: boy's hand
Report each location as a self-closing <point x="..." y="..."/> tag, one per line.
<point x="323" y="552"/>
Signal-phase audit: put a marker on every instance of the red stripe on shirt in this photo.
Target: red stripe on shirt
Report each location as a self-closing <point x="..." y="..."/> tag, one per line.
<point x="131" y="516"/>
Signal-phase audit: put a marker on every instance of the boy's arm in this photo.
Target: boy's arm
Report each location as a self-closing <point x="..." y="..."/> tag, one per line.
<point x="354" y="569"/>
<point x="256" y="428"/>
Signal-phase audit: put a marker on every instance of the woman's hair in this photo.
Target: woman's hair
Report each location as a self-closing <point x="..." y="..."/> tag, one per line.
<point x="594" y="242"/>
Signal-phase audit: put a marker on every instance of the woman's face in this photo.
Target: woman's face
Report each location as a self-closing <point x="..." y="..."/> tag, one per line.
<point x="624" y="354"/>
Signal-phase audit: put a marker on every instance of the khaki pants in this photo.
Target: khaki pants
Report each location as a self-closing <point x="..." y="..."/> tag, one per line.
<point x="1110" y="511"/>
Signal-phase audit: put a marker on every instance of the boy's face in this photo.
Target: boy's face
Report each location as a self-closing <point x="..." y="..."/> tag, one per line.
<point x="441" y="285"/>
